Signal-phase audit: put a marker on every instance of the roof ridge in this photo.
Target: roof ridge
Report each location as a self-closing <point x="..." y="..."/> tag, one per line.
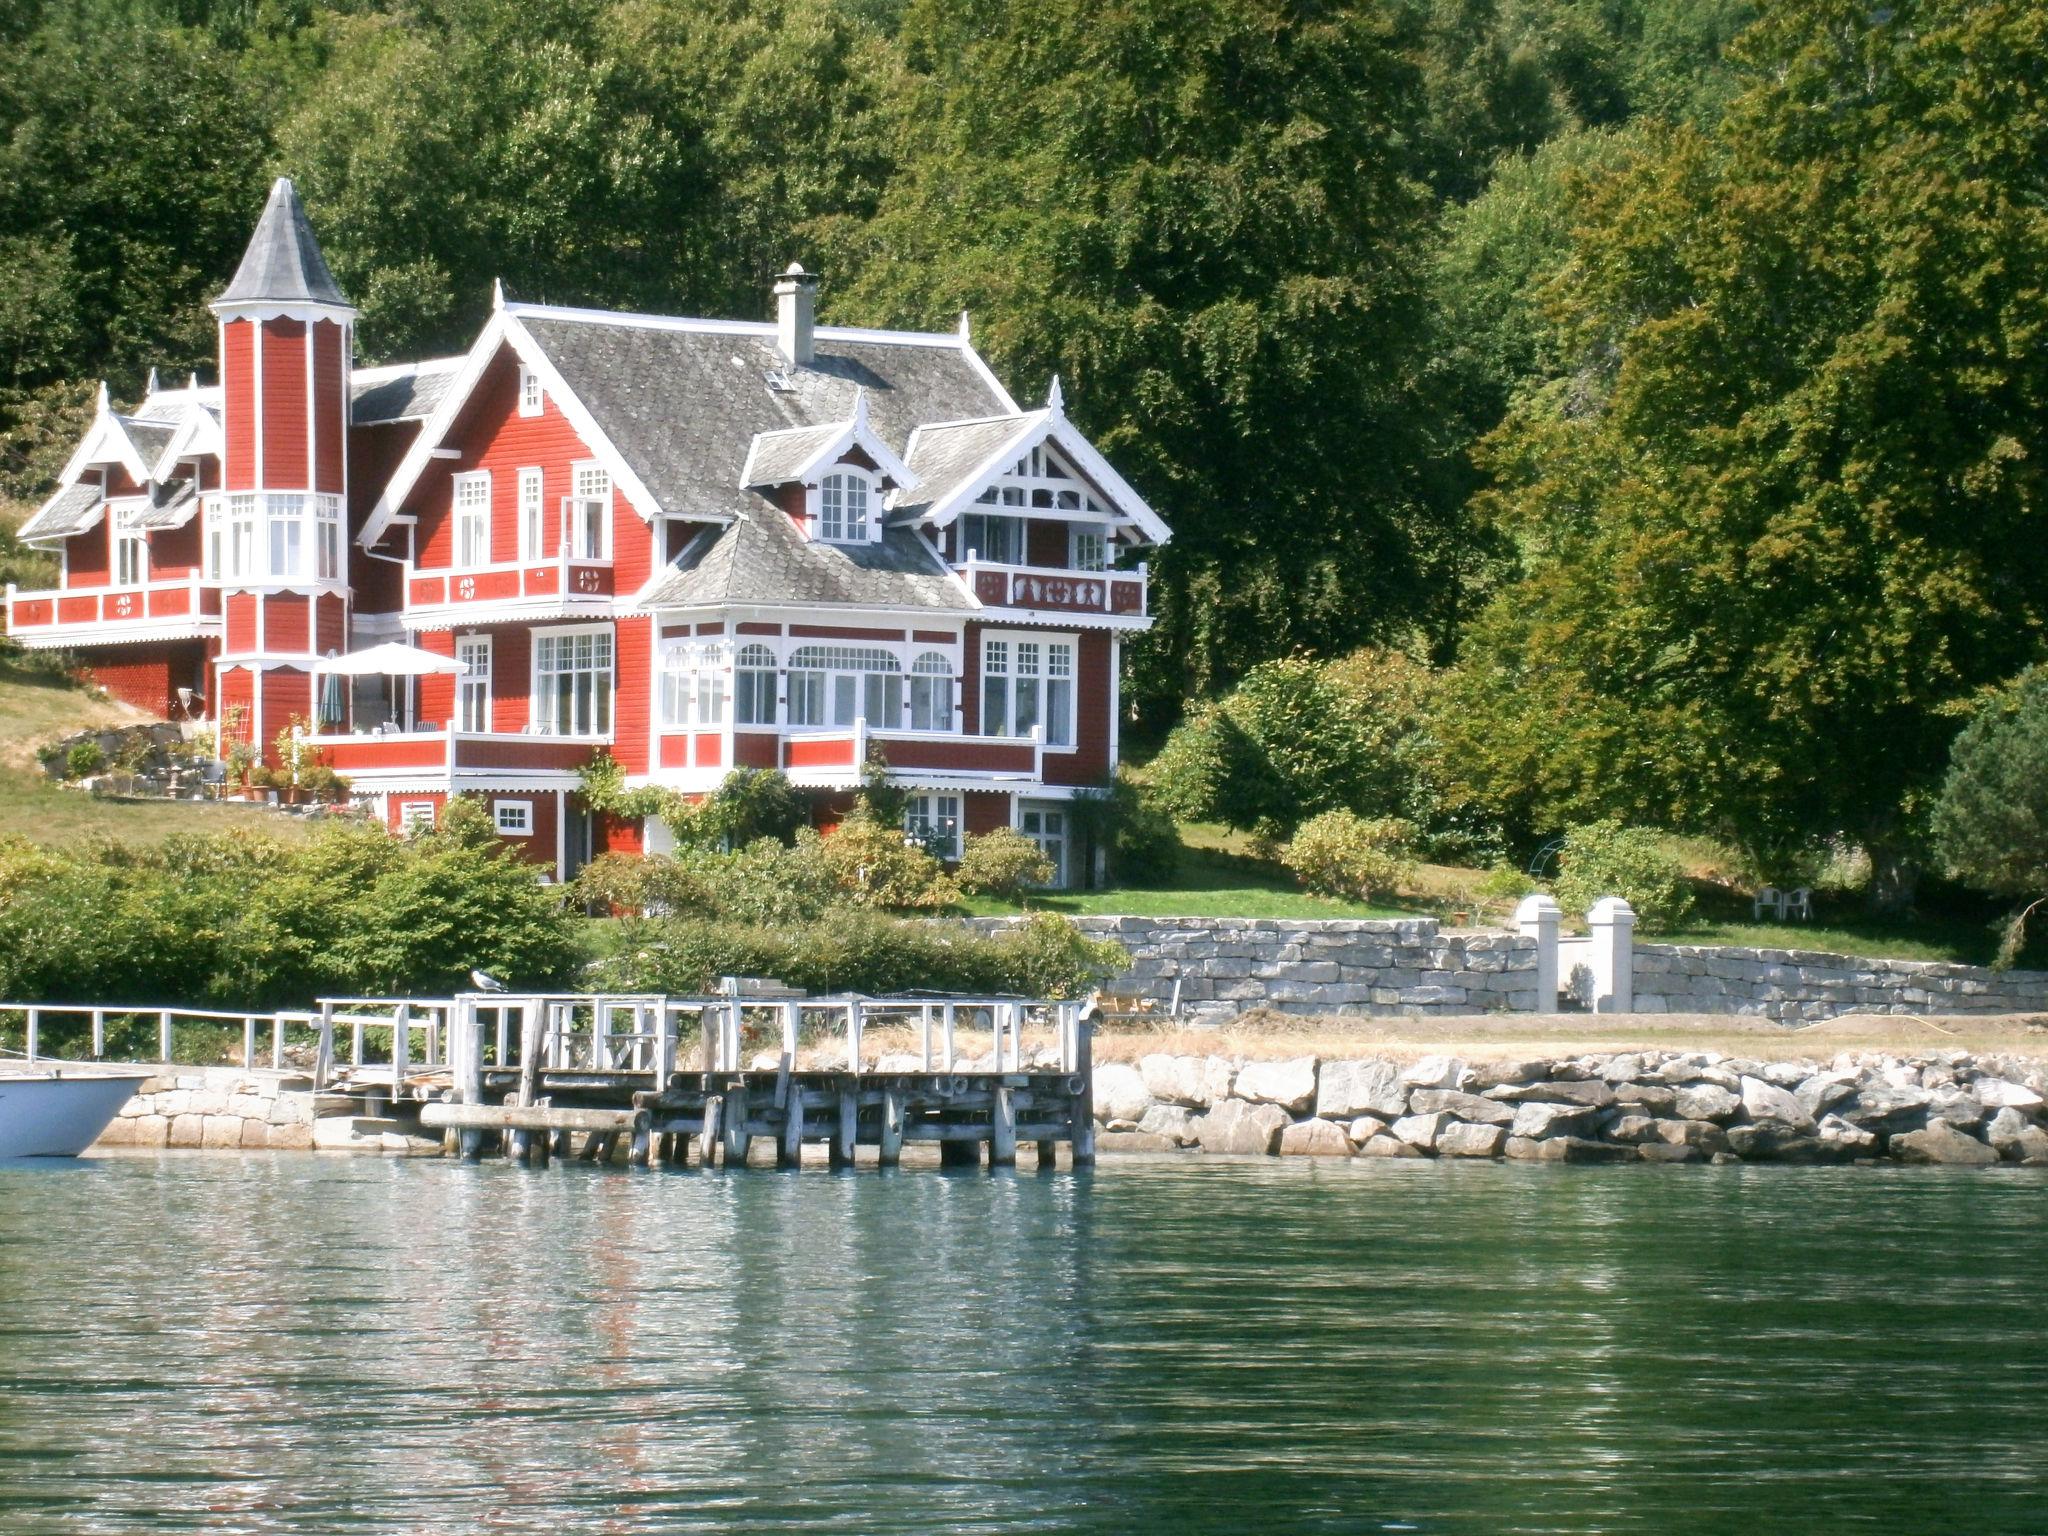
<point x="715" y="326"/>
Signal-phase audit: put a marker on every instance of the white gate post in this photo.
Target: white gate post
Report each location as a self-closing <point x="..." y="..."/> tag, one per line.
<point x="1538" y="918"/>
<point x="1613" y="924"/>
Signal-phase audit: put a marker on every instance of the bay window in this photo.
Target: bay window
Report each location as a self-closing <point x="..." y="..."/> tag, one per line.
<point x="931" y="693"/>
<point x="837" y="684"/>
<point x="753" y="686"/>
<point x="473" y="519"/>
<point x="285" y="517"/>
<point x="691" y="691"/>
<point x="1027" y="684"/>
<point x="934" y="821"/>
<point x="572" y="692"/>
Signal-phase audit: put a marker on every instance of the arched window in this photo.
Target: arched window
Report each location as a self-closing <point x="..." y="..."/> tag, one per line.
<point x="836" y="684"/>
<point x="931" y="693"/>
<point x="753" y="686"/>
<point x="843" y="509"/>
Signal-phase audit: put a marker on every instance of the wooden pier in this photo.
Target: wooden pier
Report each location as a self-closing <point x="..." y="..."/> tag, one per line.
<point x="671" y="1080"/>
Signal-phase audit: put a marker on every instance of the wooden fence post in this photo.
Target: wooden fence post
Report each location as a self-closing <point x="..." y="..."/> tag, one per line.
<point x="1081" y="1128"/>
<point x="469" y="1079"/>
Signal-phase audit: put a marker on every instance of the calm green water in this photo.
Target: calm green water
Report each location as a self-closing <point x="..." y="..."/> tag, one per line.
<point x="308" y="1344"/>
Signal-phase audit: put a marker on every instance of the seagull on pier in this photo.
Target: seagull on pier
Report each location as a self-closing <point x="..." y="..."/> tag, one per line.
<point x="484" y="981"/>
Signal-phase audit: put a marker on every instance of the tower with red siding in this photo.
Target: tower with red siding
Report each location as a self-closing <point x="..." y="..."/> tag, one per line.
<point x="279" y="534"/>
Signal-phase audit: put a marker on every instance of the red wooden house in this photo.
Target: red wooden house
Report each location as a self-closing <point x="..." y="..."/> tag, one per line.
<point x="694" y="544"/>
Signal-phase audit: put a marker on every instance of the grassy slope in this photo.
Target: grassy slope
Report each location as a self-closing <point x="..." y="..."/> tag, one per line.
<point x="35" y="709"/>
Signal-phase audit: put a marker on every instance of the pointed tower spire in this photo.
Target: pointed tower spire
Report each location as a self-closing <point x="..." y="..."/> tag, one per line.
<point x="497" y="293"/>
<point x="1056" y="398"/>
<point x="966" y="328"/>
<point x="105" y="407"/>
<point x="150" y="388"/>
<point x="192" y="381"/>
<point x="283" y="262"/>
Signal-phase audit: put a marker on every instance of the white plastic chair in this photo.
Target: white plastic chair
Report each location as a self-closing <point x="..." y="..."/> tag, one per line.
<point x="1797" y="904"/>
<point x="1770" y="899"/>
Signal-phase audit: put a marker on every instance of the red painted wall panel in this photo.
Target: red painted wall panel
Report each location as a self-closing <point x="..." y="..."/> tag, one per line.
<point x="237" y="717"/>
<point x="287" y="624"/>
<point x="238" y="402"/>
<point x="984" y="813"/>
<point x="174" y="551"/>
<point x="330" y="421"/>
<point x="287" y="692"/>
<point x="331" y="625"/>
<point x="85" y="557"/>
<point x="511" y="677"/>
<point x="143" y="676"/>
<point x="840" y="632"/>
<point x="1088" y="763"/>
<point x="241" y="622"/>
<point x="285" y="450"/>
<point x="633" y="658"/>
<point x="752" y="749"/>
<point x="1045" y="543"/>
<point x="436" y="694"/>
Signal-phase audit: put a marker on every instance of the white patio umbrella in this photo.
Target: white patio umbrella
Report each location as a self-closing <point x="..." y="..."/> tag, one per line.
<point x="392" y="659"/>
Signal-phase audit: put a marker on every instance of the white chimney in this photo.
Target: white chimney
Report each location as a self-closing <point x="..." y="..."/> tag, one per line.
<point x="796" y="298"/>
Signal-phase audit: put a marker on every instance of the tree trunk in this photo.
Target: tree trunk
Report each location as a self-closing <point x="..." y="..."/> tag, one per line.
<point x="1894" y="880"/>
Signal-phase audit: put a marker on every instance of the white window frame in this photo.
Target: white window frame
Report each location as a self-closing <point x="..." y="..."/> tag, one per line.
<point x="545" y="710"/>
<point x="853" y="684"/>
<point x="533" y="516"/>
<point x="830" y="521"/>
<point x="474" y="685"/>
<point x="532" y="397"/>
<point x="470" y="530"/>
<point x="589" y="482"/>
<point x="243" y="547"/>
<point x="692" y="688"/>
<point x="512" y="818"/>
<point x="1087" y="548"/>
<point x="131" y="544"/>
<point x="284" y="536"/>
<point x="1054" y="661"/>
<point x="415" y="814"/>
<point x="931" y="692"/>
<point x="977" y="530"/>
<point x="935" y="820"/>
<point x="754" y="675"/>
<point x="1041" y="838"/>
<point x="327" y="543"/>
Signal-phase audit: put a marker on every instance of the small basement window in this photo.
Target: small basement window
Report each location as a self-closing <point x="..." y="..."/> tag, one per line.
<point x="514" y="817"/>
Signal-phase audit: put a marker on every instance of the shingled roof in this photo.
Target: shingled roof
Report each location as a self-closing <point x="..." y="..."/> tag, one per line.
<point x="171" y="505"/>
<point x="683" y="404"/>
<point x="72" y="510"/>
<point x="944" y="455"/>
<point x="408" y="394"/>
<point x="765" y="560"/>
<point x="283" y="261"/>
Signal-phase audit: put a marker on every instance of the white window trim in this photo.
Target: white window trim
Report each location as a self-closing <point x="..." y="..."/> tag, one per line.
<point x="1075" y="534"/>
<point x="523" y="809"/>
<point x="120" y="520"/>
<point x="532" y="395"/>
<point x="1039" y="637"/>
<point x="536" y="720"/>
<point x="922" y="810"/>
<point x="604" y="523"/>
<point x="413" y="814"/>
<point x="814" y="505"/>
<point x="531" y="475"/>
<point x="461" y="678"/>
<point x="462" y="481"/>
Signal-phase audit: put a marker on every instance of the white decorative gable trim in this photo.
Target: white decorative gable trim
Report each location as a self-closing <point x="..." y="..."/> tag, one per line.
<point x="106" y="442"/>
<point x="768" y="456"/>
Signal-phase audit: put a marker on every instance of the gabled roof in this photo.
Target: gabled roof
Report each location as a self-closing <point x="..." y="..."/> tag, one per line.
<point x="948" y="454"/>
<point x="283" y="263"/>
<point x="765" y="561"/>
<point x="74" y="509"/>
<point x="799" y="455"/>
<point x="401" y="392"/>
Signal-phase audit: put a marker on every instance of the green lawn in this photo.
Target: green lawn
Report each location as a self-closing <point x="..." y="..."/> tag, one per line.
<point x="1957" y="940"/>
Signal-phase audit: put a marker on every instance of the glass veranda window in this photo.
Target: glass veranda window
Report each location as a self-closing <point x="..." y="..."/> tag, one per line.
<point x="842" y="683"/>
<point x="997" y="540"/>
<point x="131" y="548"/>
<point x="690" y="688"/>
<point x="286" y="516"/>
<point x="1026" y="684"/>
<point x="931" y="693"/>
<point x="573" y="682"/>
<point x="753" y="686"/>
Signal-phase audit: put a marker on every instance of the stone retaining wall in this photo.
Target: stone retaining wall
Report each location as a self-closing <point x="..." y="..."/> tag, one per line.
<point x="1409" y="966"/>
<point x="1943" y="1106"/>
<point x="1799" y="984"/>
<point x="218" y="1107"/>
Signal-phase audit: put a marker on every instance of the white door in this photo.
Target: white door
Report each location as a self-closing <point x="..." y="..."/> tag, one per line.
<point x="1046" y="825"/>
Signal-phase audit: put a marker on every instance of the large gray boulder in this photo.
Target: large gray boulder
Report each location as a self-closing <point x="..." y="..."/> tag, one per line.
<point x="1764" y="1100"/>
<point x="1535" y="1121"/>
<point x="1508" y="1071"/>
<point x="1824" y="1090"/>
<point x="1648" y="1098"/>
<point x="2011" y="1133"/>
<point x="2001" y="1093"/>
<point x="1665" y="1152"/>
<point x="1705" y="1101"/>
<point x="1886" y="1107"/>
<point x="1173" y="1121"/>
<point x="1121" y="1097"/>
<point x="1466" y="1106"/>
<point x="1704" y="1134"/>
<point x="1419" y="1130"/>
<point x="1772" y="1141"/>
<point x="1314" y="1138"/>
<point x="1436" y="1072"/>
<point x="1958" y="1106"/>
<point x="1365" y="1127"/>
<point x="1844" y="1138"/>
<point x="1941" y="1142"/>
<point x="1388" y="1146"/>
<point x="1195" y="1081"/>
<point x="1461" y="1139"/>
<point x="1588" y="1091"/>
<point x="1634" y="1129"/>
<point x="1348" y="1088"/>
<point x="1290" y="1084"/>
<point x="1234" y="1126"/>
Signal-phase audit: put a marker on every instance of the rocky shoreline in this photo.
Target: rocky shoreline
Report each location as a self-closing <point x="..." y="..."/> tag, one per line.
<point x="1939" y="1106"/>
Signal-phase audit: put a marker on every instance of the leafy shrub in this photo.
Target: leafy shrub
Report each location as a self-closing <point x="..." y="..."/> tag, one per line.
<point x="861" y="951"/>
<point x="1002" y="863"/>
<point x="84" y="760"/>
<point x="1126" y="821"/>
<point x="1504" y="886"/>
<point x="1344" y="855"/>
<point x="875" y="865"/>
<point x="626" y="882"/>
<point x="764" y="881"/>
<point x="1605" y="858"/>
<point x="749" y="804"/>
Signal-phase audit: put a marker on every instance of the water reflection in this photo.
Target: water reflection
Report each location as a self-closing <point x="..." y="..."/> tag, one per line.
<point x="266" y="1344"/>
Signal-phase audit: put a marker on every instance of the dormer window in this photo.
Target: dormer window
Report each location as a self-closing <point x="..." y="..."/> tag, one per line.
<point x="844" y="515"/>
<point x="529" y="392"/>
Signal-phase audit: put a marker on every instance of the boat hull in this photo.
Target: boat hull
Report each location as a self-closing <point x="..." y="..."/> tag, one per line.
<point x="59" y="1116"/>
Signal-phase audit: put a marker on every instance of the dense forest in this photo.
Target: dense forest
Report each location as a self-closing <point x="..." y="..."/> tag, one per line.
<point x="1662" y="380"/>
